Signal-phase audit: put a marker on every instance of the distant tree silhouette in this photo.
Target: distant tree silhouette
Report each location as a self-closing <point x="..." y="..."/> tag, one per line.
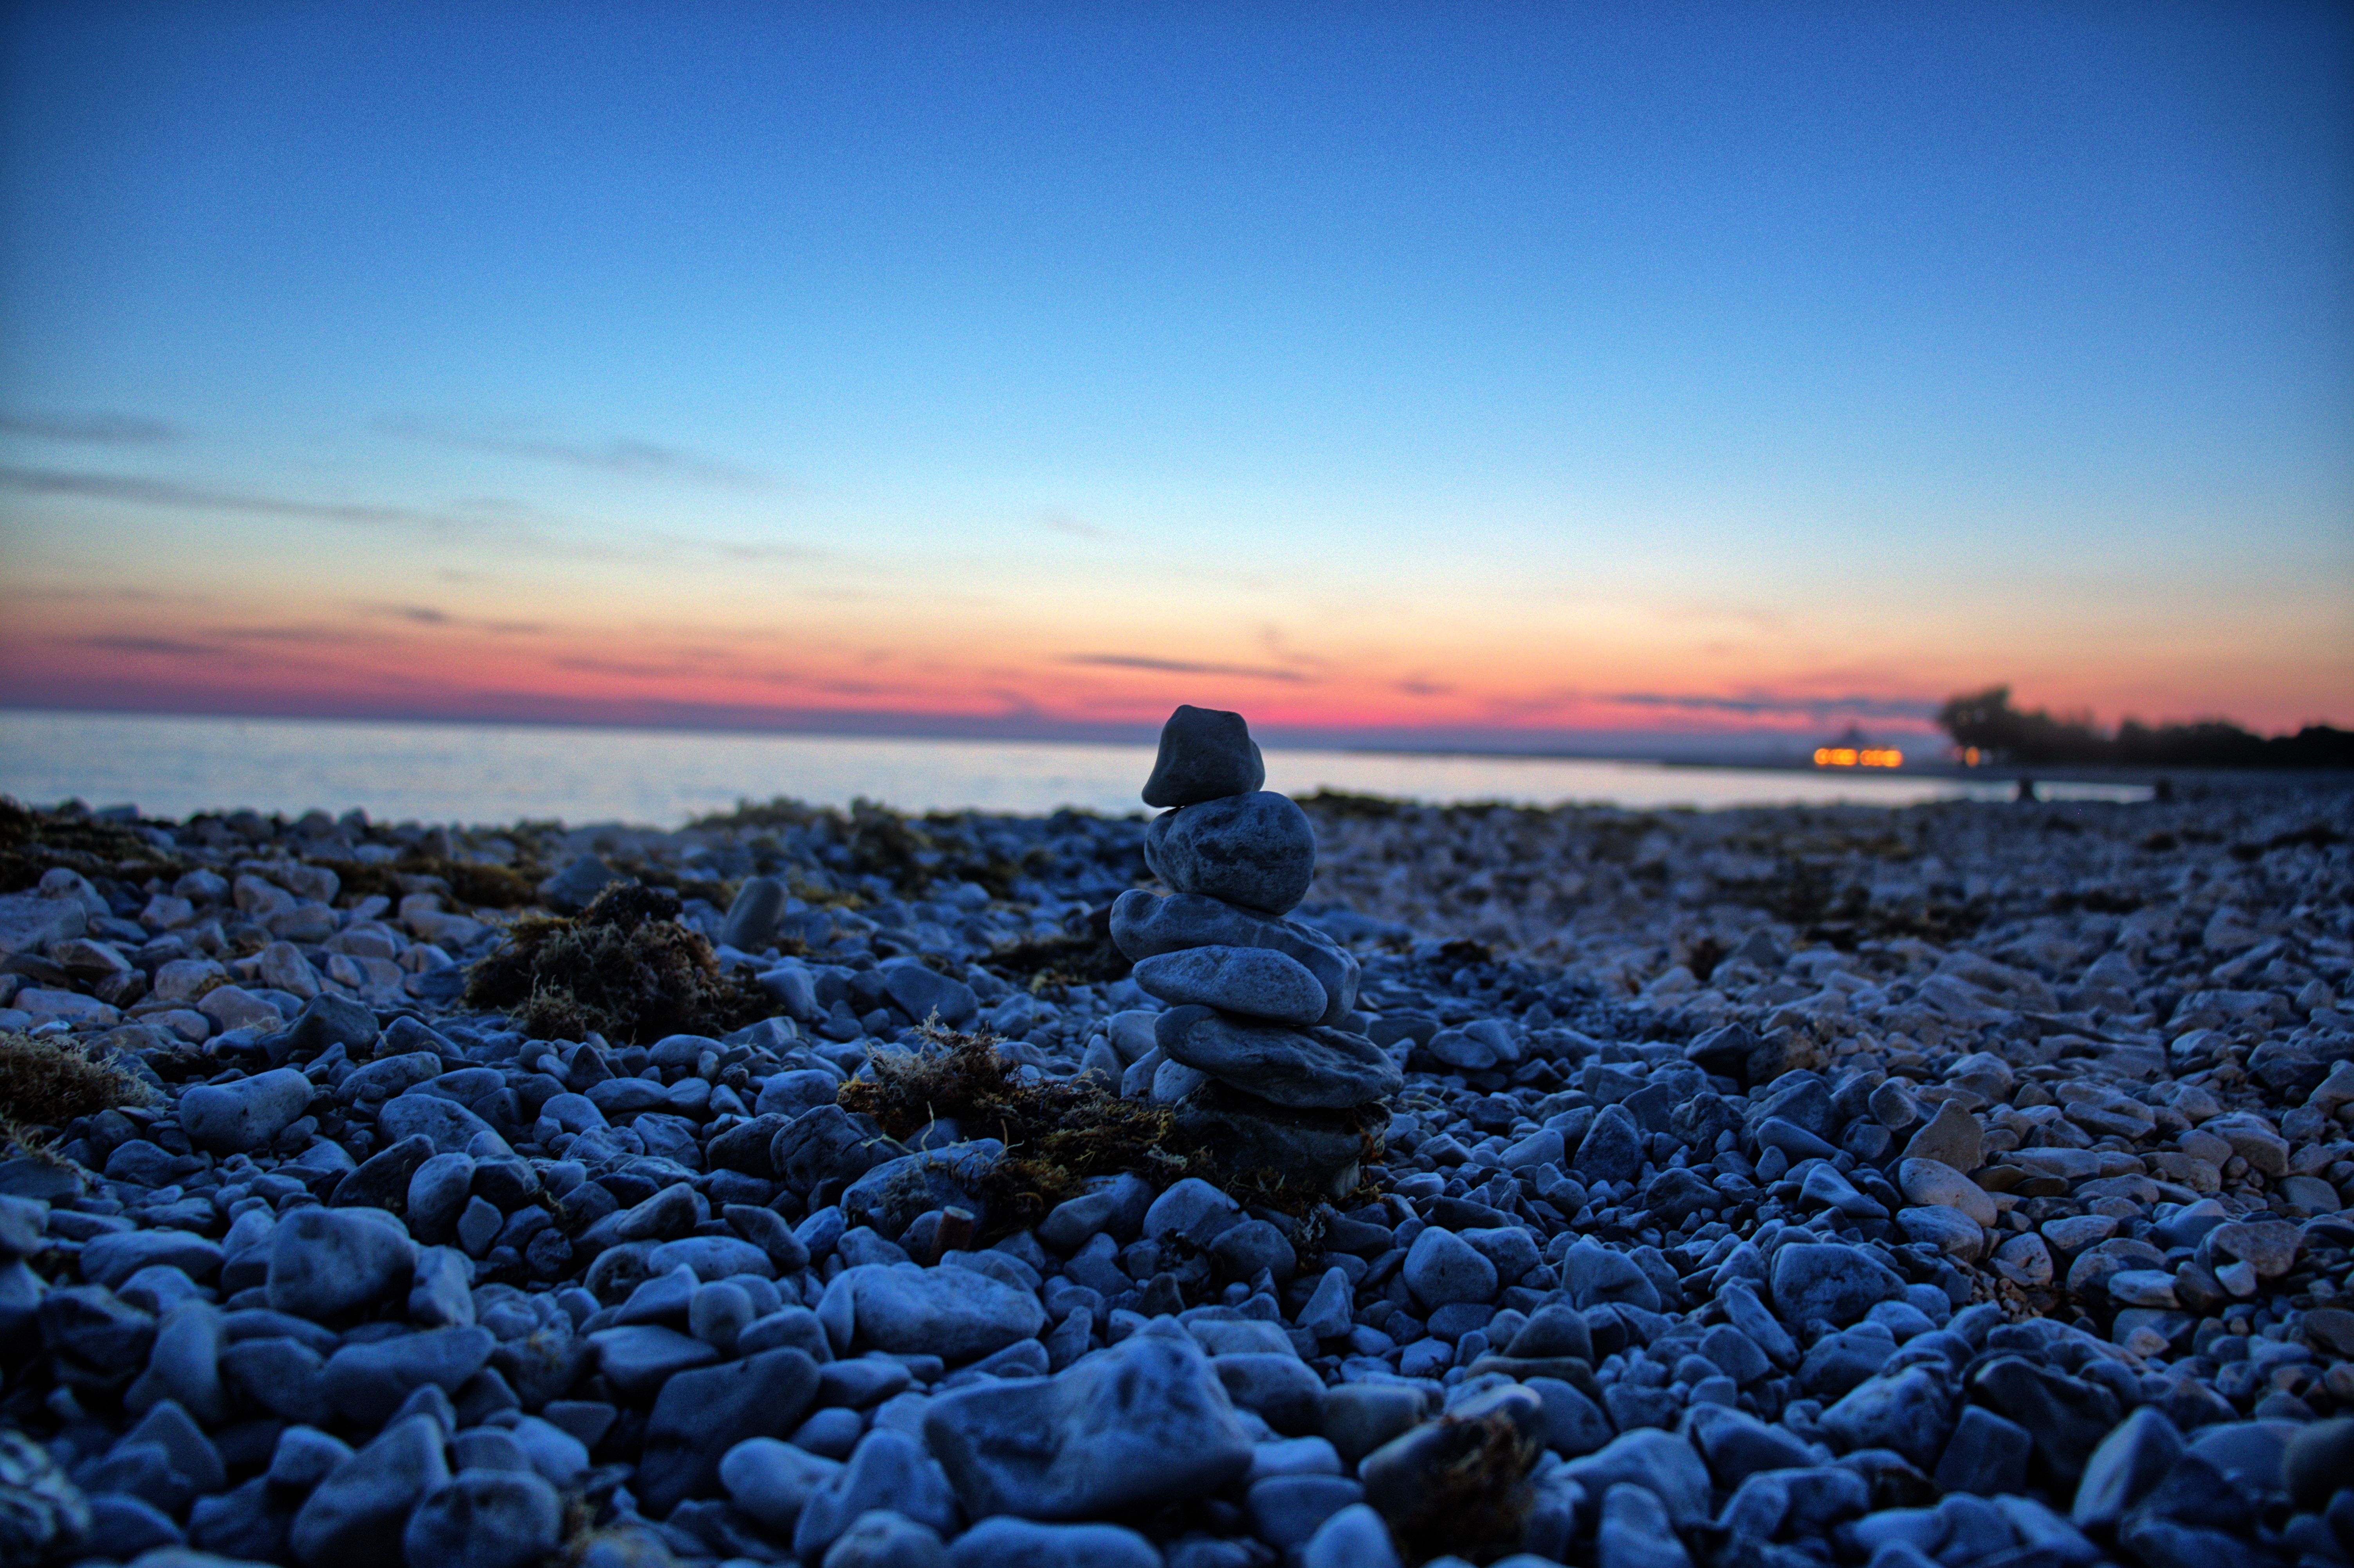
<point x="1987" y="720"/>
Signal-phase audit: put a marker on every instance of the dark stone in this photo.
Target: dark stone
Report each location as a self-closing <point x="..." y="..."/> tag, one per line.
<point x="746" y="1147"/>
<point x="826" y="1140"/>
<point x="325" y="1022"/>
<point x="699" y="1416"/>
<point x="1206" y="753"/>
<point x="1613" y="1149"/>
<point x="2067" y="1417"/>
<point x="381" y="1181"/>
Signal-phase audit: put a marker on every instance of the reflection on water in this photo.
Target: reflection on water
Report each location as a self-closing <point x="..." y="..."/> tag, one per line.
<point x="501" y="773"/>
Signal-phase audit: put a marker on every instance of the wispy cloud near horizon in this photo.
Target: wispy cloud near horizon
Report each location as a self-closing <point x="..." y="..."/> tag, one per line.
<point x="172" y="494"/>
<point x="95" y="428"/>
<point x="618" y="455"/>
<point x="1763" y="702"/>
<point x="1182" y="667"/>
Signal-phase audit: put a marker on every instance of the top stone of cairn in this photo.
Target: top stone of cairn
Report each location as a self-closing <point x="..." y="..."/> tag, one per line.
<point x="1205" y="754"/>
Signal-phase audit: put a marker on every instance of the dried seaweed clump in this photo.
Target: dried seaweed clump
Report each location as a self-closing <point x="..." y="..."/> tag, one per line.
<point x="1057" y="1133"/>
<point x="469" y="882"/>
<point x="34" y="842"/>
<point x="624" y="967"/>
<point x="47" y="1080"/>
<point x="1474" y="1502"/>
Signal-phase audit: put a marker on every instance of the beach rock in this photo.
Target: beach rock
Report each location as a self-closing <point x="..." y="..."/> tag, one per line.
<point x="1635" y="1531"/>
<point x="326" y="1263"/>
<point x="887" y="1470"/>
<point x="773" y="1481"/>
<point x="1317" y="1069"/>
<point x="1952" y="1138"/>
<point x="1258" y="982"/>
<point x="366" y="1384"/>
<point x="1356" y="1537"/>
<point x="1663" y="1464"/>
<point x="2066" y="1416"/>
<point x="2132" y="1459"/>
<point x="701" y="1416"/>
<point x="1829" y="1283"/>
<point x="1442" y="1267"/>
<point x="112" y="1258"/>
<point x="1145" y="1423"/>
<point x="1113" y="1205"/>
<point x="1256" y="850"/>
<point x="485" y="1518"/>
<point x="245" y="1116"/>
<point x="1144" y="927"/>
<point x="752" y="922"/>
<point x="1004" y="1542"/>
<point x="1909" y="1413"/>
<point x="359" y="1514"/>
<point x="955" y="1314"/>
<point x="1205" y="754"/>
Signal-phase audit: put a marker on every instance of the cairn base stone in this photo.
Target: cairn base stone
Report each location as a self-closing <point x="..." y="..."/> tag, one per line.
<point x="1319" y="1150"/>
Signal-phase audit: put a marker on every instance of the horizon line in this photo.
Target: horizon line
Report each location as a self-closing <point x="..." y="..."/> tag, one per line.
<point x="1734" y="746"/>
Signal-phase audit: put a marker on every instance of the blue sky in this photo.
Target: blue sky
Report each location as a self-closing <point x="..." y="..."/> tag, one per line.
<point x="1517" y="370"/>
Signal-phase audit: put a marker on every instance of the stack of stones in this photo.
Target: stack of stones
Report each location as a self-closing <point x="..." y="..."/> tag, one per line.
<point x="1256" y="1053"/>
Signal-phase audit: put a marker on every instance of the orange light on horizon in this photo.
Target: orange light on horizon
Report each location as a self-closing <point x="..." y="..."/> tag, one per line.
<point x="1853" y="757"/>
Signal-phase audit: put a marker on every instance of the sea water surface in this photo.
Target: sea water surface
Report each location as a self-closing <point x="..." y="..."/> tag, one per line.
<point x="483" y="774"/>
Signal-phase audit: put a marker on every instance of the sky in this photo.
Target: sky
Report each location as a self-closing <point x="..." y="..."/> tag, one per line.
<point x="1624" y="376"/>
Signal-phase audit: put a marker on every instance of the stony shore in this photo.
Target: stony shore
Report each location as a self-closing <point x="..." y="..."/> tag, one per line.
<point x="1777" y="1187"/>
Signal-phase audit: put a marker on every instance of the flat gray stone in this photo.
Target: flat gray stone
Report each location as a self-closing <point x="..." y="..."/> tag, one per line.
<point x="367" y="1382"/>
<point x="1144" y="926"/>
<point x="112" y="1258"/>
<point x="1313" y="1069"/>
<point x="1004" y="1542"/>
<point x="957" y="1314"/>
<point x="1257" y="982"/>
<point x="1952" y="1138"/>
<point x="245" y="1116"/>
<point x="449" y="1126"/>
<point x="1663" y="1464"/>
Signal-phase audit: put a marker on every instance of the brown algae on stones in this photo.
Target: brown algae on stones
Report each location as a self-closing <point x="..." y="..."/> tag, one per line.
<point x="49" y="1080"/>
<point x="624" y="967"/>
<point x="1058" y="1134"/>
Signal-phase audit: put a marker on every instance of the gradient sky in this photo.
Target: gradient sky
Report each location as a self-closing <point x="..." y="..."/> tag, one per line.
<point x="1525" y="374"/>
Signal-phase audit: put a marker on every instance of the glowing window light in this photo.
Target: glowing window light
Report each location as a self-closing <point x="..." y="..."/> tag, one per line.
<point x="1853" y="757"/>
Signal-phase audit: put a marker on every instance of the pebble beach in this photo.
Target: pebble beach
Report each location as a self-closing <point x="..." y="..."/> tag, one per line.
<point x="1960" y="1183"/>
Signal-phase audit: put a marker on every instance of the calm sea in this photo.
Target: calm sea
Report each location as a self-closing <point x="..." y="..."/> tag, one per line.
<point x="501" y="773"/>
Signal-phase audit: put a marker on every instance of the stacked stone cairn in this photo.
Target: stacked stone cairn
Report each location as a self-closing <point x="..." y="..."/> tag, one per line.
<point x="1258" y="1053"/>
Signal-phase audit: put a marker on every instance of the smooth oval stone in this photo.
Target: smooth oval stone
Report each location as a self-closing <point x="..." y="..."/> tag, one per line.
<point x="953" y="1313"/>
<point x="1144" y="926"/>
<point x="1206" y="753"/>
<point x="1933" y="1181"/>
<point x="1254" y="850"/>
<point x="240" y="1118"/>
<point x="1255" y="981"/>
<point x="1315" y="1069"/>
<point x="326" y="1262"/>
